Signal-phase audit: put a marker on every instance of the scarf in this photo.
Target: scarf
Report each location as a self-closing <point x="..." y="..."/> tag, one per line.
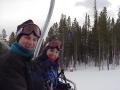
<point x="17" y="48"/>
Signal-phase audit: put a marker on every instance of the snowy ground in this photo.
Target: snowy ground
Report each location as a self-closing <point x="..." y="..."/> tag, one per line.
<point x="93" y="79"/>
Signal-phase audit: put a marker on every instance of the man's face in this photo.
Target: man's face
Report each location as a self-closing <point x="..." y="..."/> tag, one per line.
<point x="28" y="41"/>
<point x="53" y="54"/>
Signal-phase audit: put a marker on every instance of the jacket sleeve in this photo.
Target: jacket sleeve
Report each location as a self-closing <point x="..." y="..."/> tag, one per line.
<point x="12" y="76"/>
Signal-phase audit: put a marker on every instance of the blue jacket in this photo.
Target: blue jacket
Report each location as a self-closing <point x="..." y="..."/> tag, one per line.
<point x="53" y="73"/>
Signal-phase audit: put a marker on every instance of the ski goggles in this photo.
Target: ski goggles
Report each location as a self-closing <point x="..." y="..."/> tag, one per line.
<point x="54" y="44"/>
<point x="51" y="47"/>
<point x="28" y="29"/>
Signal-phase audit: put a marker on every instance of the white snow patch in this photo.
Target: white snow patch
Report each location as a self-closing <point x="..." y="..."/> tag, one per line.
<point x="93" y="79"/>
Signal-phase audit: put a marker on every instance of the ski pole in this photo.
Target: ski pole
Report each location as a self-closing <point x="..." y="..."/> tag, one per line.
<point x="52" y="3"/>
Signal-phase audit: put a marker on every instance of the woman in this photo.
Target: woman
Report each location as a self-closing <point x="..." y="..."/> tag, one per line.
<point x="45" y="69"/>
<point x="14" y="65"/>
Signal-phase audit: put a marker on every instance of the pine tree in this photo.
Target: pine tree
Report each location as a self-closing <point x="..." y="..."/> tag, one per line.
<point x="94" y="38"/>
<point x="12" y="38"/>
<point x="76" y="30"/>
<point x="4" y="33"/>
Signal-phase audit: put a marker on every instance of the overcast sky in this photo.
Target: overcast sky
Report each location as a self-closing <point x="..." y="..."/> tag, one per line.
<point x="14" y="12"/>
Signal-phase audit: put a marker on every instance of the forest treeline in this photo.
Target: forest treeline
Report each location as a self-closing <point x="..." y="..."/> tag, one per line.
<point x="99" y="43"/>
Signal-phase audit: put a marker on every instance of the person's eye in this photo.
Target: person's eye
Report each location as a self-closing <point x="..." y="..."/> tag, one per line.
<point x="57" y="52"/>
<point x="51" y="50"/>
<point x="35" y="39"/>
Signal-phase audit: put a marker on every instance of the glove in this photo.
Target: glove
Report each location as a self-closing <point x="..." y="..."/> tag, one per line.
<point x="63" y="86"/>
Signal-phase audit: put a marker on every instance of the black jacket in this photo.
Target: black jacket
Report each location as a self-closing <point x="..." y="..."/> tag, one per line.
<point x="40" y="72"/>
<point x="14" y="72"/>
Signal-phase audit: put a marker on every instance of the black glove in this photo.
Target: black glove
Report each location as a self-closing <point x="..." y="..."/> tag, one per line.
<point x="63" y="86"/>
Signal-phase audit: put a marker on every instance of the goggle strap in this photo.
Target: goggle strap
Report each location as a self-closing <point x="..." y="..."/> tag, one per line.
<point x="19" y="31"/>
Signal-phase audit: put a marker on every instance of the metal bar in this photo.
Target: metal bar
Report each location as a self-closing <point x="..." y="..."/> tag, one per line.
<point x="52" y="3"/>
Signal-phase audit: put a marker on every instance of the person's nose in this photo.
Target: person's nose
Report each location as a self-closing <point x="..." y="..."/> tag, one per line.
<point x="54" y="53"/>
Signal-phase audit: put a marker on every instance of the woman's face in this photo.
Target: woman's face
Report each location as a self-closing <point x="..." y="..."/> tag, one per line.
<point x="53" y="54"/>
<point x="28" y="41"/>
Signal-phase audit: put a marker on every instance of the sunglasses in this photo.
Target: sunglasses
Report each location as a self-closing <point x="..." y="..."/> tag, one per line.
<point x="30" y="28"/>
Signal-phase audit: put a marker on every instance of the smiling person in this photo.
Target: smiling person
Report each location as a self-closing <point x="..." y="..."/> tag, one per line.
<point x="14" y="65"/>
<point x="45" y="69"/>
